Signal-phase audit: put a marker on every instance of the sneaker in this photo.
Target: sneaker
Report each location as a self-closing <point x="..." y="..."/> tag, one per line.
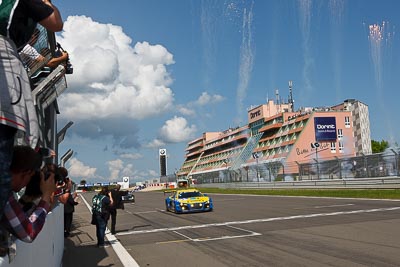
<point x="106" y="244"/>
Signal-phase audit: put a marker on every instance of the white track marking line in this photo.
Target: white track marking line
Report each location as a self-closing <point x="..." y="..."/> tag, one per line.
<point x="313" y="215"/>
<point x="185" y="236"/>
<point x="229" y="236"/>
<point x="125" y="258"/>
<point x="333" y="206"/>
<point x="205" y="239"/>
<point x="143" y="212"/>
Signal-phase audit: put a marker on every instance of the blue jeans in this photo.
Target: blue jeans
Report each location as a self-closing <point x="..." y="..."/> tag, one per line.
<point x="7" y="134"/>
<point x="101" y="225"/>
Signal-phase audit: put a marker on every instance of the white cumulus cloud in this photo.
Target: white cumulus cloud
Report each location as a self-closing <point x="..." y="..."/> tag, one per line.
<point x="78" y="170"/>
<point x="177" y="130"/>
<point x="113" y="78"/>
<point x="119" y="169"/>
<point x="205" y="99"/>
<point x="191" y="108"/>
<point x="156" y="143"/>
<point x="131" y="156"/>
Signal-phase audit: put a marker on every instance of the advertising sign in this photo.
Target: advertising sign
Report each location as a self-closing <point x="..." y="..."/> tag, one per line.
<point x="325" y="128"/>
<point x="162" y="151"/>
<point x="125" y="182"/>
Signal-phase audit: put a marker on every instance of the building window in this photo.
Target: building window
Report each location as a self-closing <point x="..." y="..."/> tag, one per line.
<point x="333" y="147"/>
<point x="347" y="122"/>
<point x="340" y="133"/>
<point x="341" y="147"/>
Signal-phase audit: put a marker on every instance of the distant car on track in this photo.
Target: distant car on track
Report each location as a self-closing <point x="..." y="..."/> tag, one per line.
<point x="188" y="200"/>
<point x="129" y="197"/>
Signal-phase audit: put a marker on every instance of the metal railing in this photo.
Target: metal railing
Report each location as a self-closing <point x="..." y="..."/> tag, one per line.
<point x="367" y="166"/>
<point x="362" y="183"/>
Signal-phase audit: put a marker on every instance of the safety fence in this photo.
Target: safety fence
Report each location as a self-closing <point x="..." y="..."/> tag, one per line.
<point x="361" y="183"/>
<point x="367" y="166"/>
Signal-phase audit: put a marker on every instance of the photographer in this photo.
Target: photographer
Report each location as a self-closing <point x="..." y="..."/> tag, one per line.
<point x="33" y="192"/>
<point x="25" y="163"/>
<point x="68" y="199"/>
<point x="31" y="57"/>
<point x="17" y="112"/>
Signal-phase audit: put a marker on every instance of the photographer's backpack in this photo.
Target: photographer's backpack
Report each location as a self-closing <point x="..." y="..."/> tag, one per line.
<point x="97" y="203"/>
<point x="6" y="9"/>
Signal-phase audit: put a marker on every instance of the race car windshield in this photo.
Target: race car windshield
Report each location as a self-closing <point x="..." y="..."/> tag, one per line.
<point x="189" y="194"/>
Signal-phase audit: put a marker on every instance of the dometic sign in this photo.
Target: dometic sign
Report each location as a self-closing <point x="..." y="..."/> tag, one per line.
<point x="325" y="128"/>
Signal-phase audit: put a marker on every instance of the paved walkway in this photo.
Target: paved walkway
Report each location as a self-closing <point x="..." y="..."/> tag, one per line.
<point x="80" y="248"/>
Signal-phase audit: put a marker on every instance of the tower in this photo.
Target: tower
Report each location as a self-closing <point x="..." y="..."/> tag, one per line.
<point x="163" y="161"/>
<point x="291" y="101"/>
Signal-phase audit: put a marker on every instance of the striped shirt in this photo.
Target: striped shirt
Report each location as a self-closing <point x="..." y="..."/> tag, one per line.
<point x="24" y="226"/>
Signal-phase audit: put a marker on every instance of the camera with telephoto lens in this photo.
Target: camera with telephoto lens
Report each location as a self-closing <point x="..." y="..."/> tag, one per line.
<point x="60" y="173"/>
<point x="69" y="69"/>
<point x="60" y="178"/>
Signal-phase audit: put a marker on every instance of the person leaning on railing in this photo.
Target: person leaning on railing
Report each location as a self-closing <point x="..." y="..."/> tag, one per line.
<point x="33" y="59"/>
<point x="16" y="219"/>
<point x="18" y="19"/>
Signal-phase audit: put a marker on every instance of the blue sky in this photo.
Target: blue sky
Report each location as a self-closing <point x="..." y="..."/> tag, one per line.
<point x="152" y="74"/>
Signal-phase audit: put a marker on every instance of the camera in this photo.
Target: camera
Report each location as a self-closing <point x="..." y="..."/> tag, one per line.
<point x="69" y="68"/>
<point x="60" y="178"/>
<point x="60" y="173"/>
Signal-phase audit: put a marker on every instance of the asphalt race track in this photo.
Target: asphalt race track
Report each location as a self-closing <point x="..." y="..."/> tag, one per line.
<point x="245" y="230"/>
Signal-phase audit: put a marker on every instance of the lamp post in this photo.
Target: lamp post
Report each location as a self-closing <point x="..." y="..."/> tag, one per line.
<point x="256" y="156"/>
<point x="66" y="157"/>
<point x="316" y="146"/>
<point x="396" y="161"/>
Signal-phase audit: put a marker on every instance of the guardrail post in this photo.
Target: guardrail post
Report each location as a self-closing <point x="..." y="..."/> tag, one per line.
<point x="300" y="171"/>
<point x="366" y="166"/>
<point x="340" y="167"/>
<point x="396" y="161"/>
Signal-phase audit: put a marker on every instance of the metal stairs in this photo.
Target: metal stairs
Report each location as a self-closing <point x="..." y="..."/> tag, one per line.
<point x="247" y="151"/>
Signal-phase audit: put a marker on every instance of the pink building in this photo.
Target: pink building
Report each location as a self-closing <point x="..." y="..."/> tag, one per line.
<point x="277" y="140"/>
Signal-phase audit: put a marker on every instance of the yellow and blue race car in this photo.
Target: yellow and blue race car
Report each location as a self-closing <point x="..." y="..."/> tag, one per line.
<point x="188" y="200"/>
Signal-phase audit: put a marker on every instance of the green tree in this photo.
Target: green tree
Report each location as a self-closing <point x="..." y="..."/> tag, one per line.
<point x="83" y="182"/>
<point x="378" y="147"/>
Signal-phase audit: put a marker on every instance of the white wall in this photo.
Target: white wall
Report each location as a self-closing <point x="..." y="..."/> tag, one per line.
<point x="48" y="247"/>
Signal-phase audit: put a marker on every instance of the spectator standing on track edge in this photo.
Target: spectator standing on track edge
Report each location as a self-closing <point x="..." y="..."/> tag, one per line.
<point x="117" y="204"/>
<point x="101" y="213"/>
<point x="68" y="199"/>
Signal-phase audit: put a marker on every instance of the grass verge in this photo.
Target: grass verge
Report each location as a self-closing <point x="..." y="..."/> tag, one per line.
<point x="353" y="193"/>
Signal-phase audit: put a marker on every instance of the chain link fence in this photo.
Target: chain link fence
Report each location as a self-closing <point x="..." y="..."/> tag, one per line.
<point x="367" y="166"/>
